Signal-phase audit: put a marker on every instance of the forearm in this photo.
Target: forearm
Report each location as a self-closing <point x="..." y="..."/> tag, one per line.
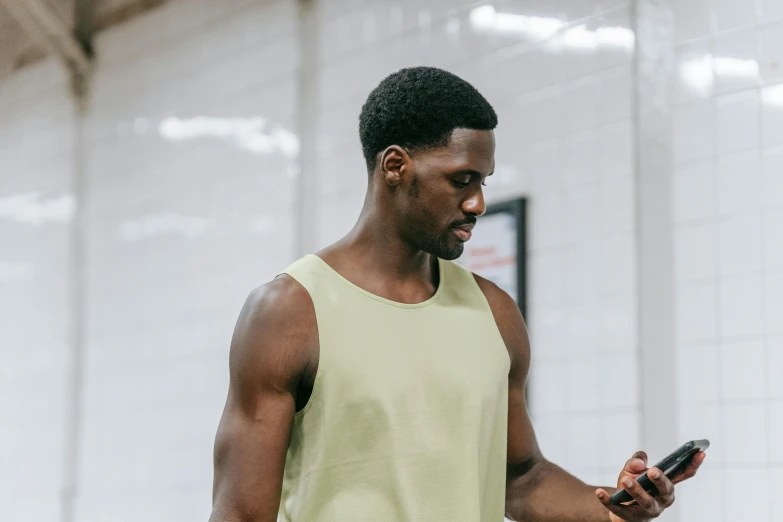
<point x="547" y="493"/>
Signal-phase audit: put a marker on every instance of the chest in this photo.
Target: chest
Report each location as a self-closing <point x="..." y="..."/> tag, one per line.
<point x="420" y="361"/>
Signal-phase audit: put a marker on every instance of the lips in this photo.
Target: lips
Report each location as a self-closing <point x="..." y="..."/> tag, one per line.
<point x="464" y="232"/>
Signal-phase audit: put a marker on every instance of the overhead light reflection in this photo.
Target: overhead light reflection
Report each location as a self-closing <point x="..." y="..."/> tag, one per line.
<point x="555" y="31"/>
<point x="615" y="36"/>
<point x="252" y="134"/>
<point x="30" y="208"/>
<point x="700" y="73"/>
<point x="487" y="18"/>
<point x="579" y="37"/>
<point x="773" y="96"/>
<point x="736" y="67"/>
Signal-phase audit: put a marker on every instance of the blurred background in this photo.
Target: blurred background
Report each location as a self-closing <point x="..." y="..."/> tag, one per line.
<point x="161" y="158"/>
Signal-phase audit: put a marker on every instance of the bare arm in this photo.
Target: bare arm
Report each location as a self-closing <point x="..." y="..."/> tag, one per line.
<point x="536" y="489"/>
<point x="270" y="352"/>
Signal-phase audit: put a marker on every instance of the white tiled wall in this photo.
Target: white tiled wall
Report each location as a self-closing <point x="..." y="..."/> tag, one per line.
<point x="727" y="126"/>
<point x="36" y="210"/>
<point x="189" y="197"/>
<point x="190" y="189"/>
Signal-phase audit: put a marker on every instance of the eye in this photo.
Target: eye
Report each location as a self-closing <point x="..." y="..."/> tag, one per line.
<point x="483" y="183"/>
<point x="460" y="185"/>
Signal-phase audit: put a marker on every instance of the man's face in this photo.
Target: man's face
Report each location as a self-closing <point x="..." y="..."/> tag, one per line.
<point x="442" y="195"/>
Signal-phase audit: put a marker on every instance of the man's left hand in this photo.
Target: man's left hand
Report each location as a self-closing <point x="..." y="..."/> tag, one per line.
<point x="646" y="507"/>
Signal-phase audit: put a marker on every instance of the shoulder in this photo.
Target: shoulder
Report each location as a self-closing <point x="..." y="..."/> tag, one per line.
<point x="282" y="297"/>
<point x="282" y="305"/>
<point x="510" y="323"/>
<point x="499" y="301"/>
<point x="276" y="333"/>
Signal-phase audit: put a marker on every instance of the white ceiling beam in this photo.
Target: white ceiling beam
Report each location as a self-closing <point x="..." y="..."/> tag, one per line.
<point x="49" y="30"/>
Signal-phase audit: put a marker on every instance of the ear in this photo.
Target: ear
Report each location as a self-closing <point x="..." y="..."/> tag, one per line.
<point x="394" y="162"/>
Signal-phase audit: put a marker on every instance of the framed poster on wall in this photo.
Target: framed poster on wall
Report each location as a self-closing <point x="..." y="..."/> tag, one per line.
<point x="497" y="250"/>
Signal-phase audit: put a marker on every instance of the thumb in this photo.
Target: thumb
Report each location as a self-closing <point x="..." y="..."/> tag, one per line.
<point x="637" y="464"/>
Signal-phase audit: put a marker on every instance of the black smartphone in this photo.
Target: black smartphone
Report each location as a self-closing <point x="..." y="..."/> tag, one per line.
<point x="670" y="466"/>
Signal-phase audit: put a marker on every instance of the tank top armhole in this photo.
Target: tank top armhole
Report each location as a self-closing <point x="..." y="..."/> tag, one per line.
<point x="315" y="392"/>
<point x="464" y="277"/>
<point x="469" y="280"/>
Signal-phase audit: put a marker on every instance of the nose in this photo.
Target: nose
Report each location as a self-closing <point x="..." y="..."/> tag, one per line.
<point x="475" y="203"/>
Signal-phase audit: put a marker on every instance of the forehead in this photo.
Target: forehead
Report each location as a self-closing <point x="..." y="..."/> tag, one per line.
<point x="468" y="149"/>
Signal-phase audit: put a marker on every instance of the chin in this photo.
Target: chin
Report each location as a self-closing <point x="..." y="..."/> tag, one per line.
<point x="445" y="247"/>
<point x="450" y="253"/>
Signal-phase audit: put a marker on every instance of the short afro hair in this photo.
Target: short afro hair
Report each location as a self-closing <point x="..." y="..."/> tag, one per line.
<point x="418" y="108"/>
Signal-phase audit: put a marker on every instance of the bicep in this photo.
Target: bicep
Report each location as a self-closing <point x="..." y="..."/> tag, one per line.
<point x="523" y="449"/>
<point x="522" y="444"/>
<point x="269" y="352"/>
<point x="249" y="457"/>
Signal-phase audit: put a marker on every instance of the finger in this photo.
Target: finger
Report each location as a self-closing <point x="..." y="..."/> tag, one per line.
<point x="644" y="499"/>
<point x="637" y="464"/>
<point x="691" y="469"/>
<point x="604" y="497"/>
<point x="621" y="510"/>
<point x="641" y="455"/>
<point x="663" y="485"/>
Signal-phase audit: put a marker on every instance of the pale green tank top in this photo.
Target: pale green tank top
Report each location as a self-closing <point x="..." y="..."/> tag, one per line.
<point x="407" y="418"/>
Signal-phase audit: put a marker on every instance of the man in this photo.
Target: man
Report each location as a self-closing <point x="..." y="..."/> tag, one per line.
<point x="379" y="381"/>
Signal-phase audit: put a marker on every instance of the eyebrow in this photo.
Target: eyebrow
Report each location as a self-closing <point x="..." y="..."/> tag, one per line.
<point x="472" y="172"/>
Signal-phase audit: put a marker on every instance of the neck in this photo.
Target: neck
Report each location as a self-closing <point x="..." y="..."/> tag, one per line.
<point x="376" y="246"/>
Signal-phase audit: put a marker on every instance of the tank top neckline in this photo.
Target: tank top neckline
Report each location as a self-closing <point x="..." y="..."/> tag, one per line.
<point x="366" y="293"/>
